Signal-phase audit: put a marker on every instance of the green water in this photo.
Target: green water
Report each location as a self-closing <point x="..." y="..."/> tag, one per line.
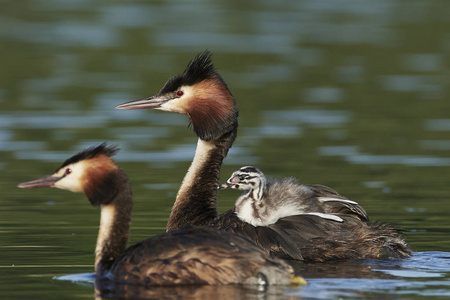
<point x="350" y="94"/>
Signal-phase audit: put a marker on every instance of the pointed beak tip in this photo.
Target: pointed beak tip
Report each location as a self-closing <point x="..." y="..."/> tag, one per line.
<point x="223" y="186"/>
<point x="25" y="185"/>
<point x="123" y="106"/>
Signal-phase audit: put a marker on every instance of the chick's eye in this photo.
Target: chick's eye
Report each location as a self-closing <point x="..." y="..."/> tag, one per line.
<point x="180" y="93"/>
<point x="68" y="171"/>
<point x="241" y="177"/>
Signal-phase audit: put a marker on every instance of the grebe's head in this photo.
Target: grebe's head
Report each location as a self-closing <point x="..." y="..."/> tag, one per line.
<point x="91" y="171"/>
<point x="199" y="92"/>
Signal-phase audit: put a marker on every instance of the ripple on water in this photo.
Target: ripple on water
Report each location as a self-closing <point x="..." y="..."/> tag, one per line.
<point x="52" y="120"/>
<point x="435" y="145"/>
<point x="311" y="118"/>
<point x="351" y="154"/>
<point x="402" y="277"/>
<point x="85" y="279"/>
<point x="133" y="134"/>
<point x="437" y="124"/>
<point x="271" y="132"/>
<point x="326" y="94"/>
<point x="430" y="62"/>
<point x="411" y="83"/>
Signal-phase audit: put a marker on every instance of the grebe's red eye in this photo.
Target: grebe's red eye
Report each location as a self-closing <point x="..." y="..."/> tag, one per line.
<point x="180" y="93"/>
<point x="68" y="171"/>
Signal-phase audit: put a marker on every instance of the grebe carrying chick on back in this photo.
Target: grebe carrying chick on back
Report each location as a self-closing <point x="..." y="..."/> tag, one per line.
<point x="202" y="94"/>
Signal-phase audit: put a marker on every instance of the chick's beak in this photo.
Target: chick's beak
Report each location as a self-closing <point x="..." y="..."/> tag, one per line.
<point x="224" y="186"/>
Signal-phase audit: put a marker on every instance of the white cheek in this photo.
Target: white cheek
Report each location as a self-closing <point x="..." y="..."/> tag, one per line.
<point x="178" y="105"/>
<point x="73" y="181"/>
<point x="172" y="106"/>
<point x="69" y="185"/>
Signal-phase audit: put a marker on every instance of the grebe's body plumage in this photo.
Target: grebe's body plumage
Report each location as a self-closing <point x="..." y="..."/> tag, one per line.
<point x="265" y="201"/>
<point x="192" y="255"/>
<point x="312" y="238"/>
<point x="202" y="94"/>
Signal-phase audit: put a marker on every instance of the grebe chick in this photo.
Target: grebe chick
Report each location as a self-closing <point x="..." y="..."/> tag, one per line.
<point x="202" y="94"/>
<point x="264" y="201"/>
<point x="192" y="255"/>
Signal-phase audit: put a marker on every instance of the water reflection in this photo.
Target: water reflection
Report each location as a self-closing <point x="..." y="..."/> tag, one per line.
<point x="310" y="118"/>
<point x="412" y="83"/>
<point x="105" y="290"/>
<point x="61" y="119"/>
<point x="435" y="145"/>
<point x="354" y="279"/>
<point x="377" y="279"/>
<point x="424" y="62"/>
<point x="323" y="95"/>
<point x="437" y="125"/>
<point x="352" y="155"/>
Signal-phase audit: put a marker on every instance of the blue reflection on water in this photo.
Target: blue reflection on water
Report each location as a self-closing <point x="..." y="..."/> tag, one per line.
<point x="435" y="145"/>
<point x="423" y="62"/>
<point x="411" y="83"/>
<point x="351" y="154"/>
<point x="270" y="132"/>
<point x="326" y="94"/>
<point x="437" y="124"/>
<point x="86" y="279"/>
<point x="407" y="279"/>
<point x="311" y="118"/>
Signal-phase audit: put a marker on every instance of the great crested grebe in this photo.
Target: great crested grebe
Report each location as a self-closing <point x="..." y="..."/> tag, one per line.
<point x="202" y="94"/>
<point x="192" y="255"/>
<point x="264" y="201"/>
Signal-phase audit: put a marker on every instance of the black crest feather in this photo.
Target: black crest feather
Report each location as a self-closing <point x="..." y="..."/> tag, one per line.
<point x="199" y="68"/>
<point x="104" y="148"/>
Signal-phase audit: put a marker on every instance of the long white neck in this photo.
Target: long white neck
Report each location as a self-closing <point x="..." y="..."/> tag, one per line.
<point x="107" y="217"/>
<point x="115" y="219"/>
<point x="196" y="199"/>
<point x="201" y="159"/>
